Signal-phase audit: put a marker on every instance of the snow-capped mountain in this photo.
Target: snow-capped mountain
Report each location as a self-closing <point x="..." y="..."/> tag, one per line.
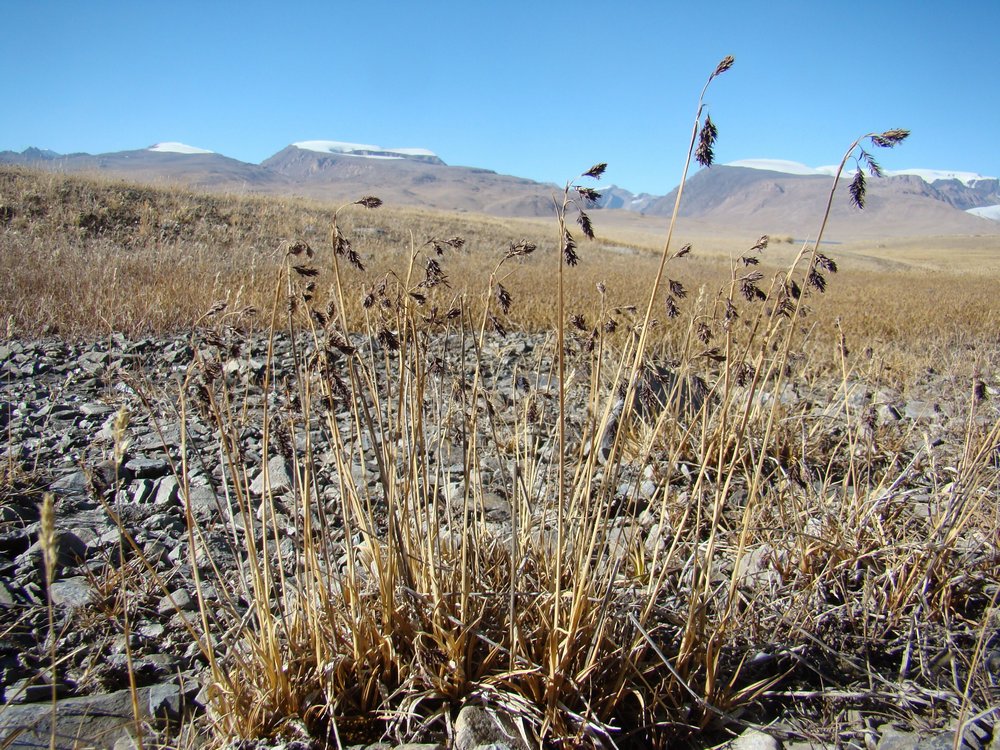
<point x="368" y="152"/>
<point x="930" y="176"/>
<point x="174" y="147"/>
<point x="771" y="196"/>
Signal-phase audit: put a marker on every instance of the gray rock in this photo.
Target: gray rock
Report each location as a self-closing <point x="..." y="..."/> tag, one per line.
<point x="71" y="483"/>
<point x="181" y="600"/>
<point x="93" y="721"/>
<point x="478" y="725"/>
<point x="166" y="700"/>
<point x="70" y="551"/>
<point x="147" y="468"/>
<point x="166" y="491"/>
<point x="278" y="477"/>
<point x="72" y="592"/>
<point x="919" y="410"/>
<point x="753" y="739"/>
<point x="891" y="738"/>
<point x="141" y="490"/>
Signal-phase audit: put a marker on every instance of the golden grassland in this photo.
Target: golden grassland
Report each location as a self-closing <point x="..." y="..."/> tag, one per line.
<point x="82" y="257"/>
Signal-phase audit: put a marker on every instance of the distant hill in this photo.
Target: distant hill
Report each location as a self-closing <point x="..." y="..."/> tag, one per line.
<point x="752" y="196"/>
<point x="769" y="201"/>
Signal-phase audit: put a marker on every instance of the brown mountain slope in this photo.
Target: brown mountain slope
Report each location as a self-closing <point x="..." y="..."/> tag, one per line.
<point x="722" y="200"/>
<point x="754" y="200"/>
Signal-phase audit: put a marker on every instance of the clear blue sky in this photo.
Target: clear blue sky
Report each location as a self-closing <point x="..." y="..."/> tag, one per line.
<point x="532" y="88"/>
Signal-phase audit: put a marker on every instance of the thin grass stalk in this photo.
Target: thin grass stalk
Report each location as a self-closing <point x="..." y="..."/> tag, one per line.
<point x="47" y="537"/>
<point x="665" y="255"/>
<point x="556" y="628"/>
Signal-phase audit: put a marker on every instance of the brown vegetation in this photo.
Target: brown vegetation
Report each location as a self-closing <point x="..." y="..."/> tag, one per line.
<point x="81" y="257"/>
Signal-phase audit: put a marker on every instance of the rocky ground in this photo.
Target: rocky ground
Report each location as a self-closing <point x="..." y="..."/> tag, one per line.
<point x="58" y="410"/>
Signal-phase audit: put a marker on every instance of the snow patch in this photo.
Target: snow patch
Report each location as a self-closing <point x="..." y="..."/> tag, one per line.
<point x="334" y="147"/>
<point x="360" y="149"/>
<point x="986" y="212"/>
<point x="173" y="147"/>
<point x="775" y="165"/>
<point x="793" y="167"/>
<point x="930" y="176"/>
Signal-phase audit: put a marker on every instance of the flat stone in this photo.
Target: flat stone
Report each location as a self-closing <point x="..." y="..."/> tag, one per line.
<point x="202" y="499"/>
<point x="72" y="592"/>
<point x="753" y="739"/>
<point x="478" y="725"/>
<point x="278" y="477"/>
<point x="94" y="409"/>
<point x="891" y="738"/>
<point x="181" y="601"/>
<point x="71" y="483"/>
<point x="166" y="490"/>
<point x="165" y="700"/>
<point x="147" y="468"/>
<point x="93" y="721"/>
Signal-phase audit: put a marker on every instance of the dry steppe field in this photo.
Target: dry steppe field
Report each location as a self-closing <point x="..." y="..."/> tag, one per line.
<point x="351" y="473"/>
<point x="85" y="257"/>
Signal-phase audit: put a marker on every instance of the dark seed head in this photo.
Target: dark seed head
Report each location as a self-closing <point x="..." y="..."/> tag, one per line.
<point x="826" y="263"/>
<point x="569" y="249"/>
<point x="817" y="280"/>
<point x="890" y="138"/>
<point x="857" y="189"/>
<point x="725" y="64"/>
<point x="503" y="298"/>
<point x="589" y="195"/>
<point x="705" y="154"/>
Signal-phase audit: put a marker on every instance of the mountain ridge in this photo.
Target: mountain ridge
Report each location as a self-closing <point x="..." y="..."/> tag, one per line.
<point x="752" y="195"/>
